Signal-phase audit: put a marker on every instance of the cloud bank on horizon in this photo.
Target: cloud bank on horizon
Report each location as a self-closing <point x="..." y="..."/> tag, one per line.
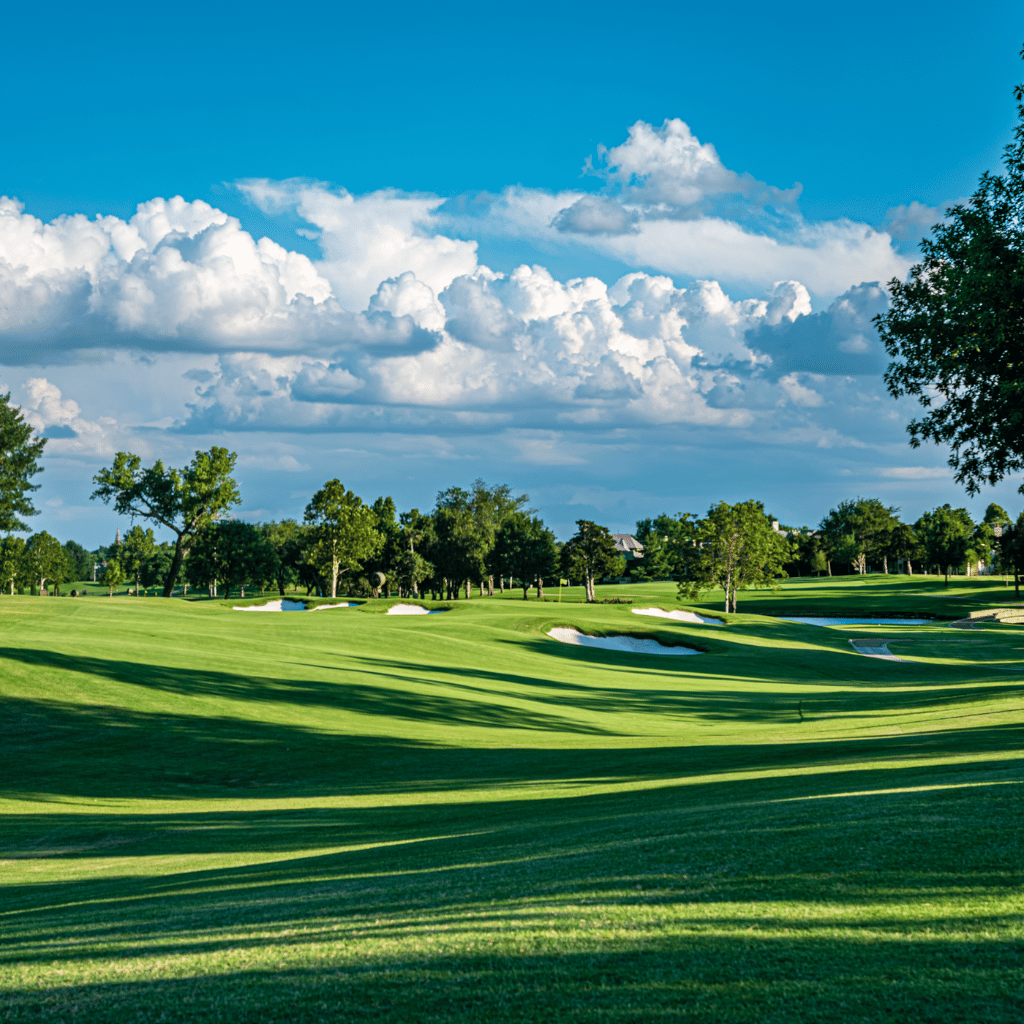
<point x="732" y="313"/>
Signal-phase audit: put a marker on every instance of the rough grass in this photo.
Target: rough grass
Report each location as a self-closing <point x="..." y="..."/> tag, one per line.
<point x="211" y="816"/>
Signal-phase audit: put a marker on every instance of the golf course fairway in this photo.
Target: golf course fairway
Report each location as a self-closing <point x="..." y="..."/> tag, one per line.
<point x="217" y="817"/>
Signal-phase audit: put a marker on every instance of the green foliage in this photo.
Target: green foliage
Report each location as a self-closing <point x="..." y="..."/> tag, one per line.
<point x="737" y="549"/>
<point x="955" y="328"/>
<point x="946" y="535"/>
<point x="113" y="575"/>
<point x="80" y="560"/>
<point x="13" y="564"/>
<point x="669" y="546"/>
<point x="525" y="550"/>
<point x="590" y="555"/>
<point x="20" y="452"/>
<point x="45" y="560"/>
<point x="868" y="522"/>
<point x="185" y="501"/>
<point x="342" y="532"/>
<point x="905" y="546"/>
<point x="234" y="553"/>
<point x="138" y="548"/>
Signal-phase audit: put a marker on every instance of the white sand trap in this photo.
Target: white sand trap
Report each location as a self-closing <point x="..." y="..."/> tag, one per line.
<point x="627" y="644"/>
<point x="280" y="605"/>
<point x="880" y="651"/>
<point x="679" y="616"/>
<point x="412" y="609"/>
<point x="328" y="607"/>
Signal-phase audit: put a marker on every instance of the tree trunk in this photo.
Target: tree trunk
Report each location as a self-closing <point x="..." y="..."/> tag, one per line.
<point x="334" y="575"/>
<point x="482" y="588"/>
<point x="469" y="590"/>
<point x="540" y="588"/>
<point x="501" y="584"/>
<point x="910" y="568"/>
<point x="490" y="586"/>
<point x="828" y="562"/>
<point x="885" y="564"/>
<point x="172" y="574"/>
<point x="526" y="591"/>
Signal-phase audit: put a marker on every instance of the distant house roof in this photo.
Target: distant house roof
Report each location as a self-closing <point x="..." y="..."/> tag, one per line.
<point x="628" y="545"/>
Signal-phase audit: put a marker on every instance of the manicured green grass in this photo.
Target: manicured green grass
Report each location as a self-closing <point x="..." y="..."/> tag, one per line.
<point x="347" y="816"/>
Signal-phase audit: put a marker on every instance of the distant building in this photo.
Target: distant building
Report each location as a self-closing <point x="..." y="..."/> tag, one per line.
<point x="626" y="544"/>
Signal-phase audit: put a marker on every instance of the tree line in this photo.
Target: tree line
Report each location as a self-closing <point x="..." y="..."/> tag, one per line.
<point x="478" y="537"/>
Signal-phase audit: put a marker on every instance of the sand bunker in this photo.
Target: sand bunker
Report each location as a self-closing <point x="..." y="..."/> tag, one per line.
<point x="679" y="616"/>
<point x="412" y="609"/>
<point x="873" y="649"/>
<point x="627" y="644"/>
<point x="284" y="605"/>
<point x="328" y="607"/>
<point x="814" y="620"/>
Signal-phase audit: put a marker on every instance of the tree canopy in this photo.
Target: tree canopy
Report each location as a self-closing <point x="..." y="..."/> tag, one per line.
<point x="343" y="531"/>
<point x="955" y="328"/>
<point x="737" y="548"/>
<point x="185" y="501"/>
<point x="20" y="452"/>
<point x="590" y="554"/>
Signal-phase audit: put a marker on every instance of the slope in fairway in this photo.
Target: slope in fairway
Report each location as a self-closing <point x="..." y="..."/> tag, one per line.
<point x="211" y="816"/>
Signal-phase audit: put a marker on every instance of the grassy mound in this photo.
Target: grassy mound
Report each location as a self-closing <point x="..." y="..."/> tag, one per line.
<point x="356" y="817"/>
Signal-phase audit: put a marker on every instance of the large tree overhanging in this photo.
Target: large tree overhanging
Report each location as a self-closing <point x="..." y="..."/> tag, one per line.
<point x="955" y="328"/>
<point x="185" y="500"/>
<point x="20" y="452"/>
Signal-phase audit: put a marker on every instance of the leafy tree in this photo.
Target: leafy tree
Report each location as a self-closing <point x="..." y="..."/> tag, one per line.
<point x="590" y="555"/>
<point x="391" y="547"/>
<point x="946" y="535"/>
<point x="459" y="550"/>
<point x="20" y="452"/>
<point x="138" y="547"/>
<point x="12" y="562"/>
<point x="669" y="546"/>
<point x="113" y="575"/>
<point x="80" y="560"/>
<point x="904" y="546"/>
<point x="465" y="525"/>
<point x="234" y="553"/>
<point x="186" y="501"/>
<point x="287" y="538"/>
<point x="524" y="549"/>
<point x="955" y="328"/>
<point x="411" y="569"/>
<point x="869" y="522"/>
<point x="45" y="560"/>
<point x="737" y="549"/>
<point x="1013" y="550"/>
<point x="343" y="531"/>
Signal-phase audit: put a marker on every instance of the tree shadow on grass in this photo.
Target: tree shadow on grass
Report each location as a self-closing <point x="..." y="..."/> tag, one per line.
<point x="684" y="701"/>
<point x="625" y="906"/>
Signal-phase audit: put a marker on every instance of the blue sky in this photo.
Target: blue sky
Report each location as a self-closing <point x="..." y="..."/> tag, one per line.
<point x="624" y="260"/>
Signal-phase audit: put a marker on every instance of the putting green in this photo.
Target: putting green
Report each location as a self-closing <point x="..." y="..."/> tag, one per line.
<point x="211" y="816"/>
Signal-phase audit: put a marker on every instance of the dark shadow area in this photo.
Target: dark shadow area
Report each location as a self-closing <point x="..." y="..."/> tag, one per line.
<point x="714" y="979"/>
<point x="622" y="907"/>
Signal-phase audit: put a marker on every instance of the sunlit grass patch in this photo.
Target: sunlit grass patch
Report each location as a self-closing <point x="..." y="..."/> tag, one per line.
<point x="353" y="816"/>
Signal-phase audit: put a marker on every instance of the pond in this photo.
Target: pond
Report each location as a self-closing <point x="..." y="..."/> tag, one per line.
<point x="819" y="620"/>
